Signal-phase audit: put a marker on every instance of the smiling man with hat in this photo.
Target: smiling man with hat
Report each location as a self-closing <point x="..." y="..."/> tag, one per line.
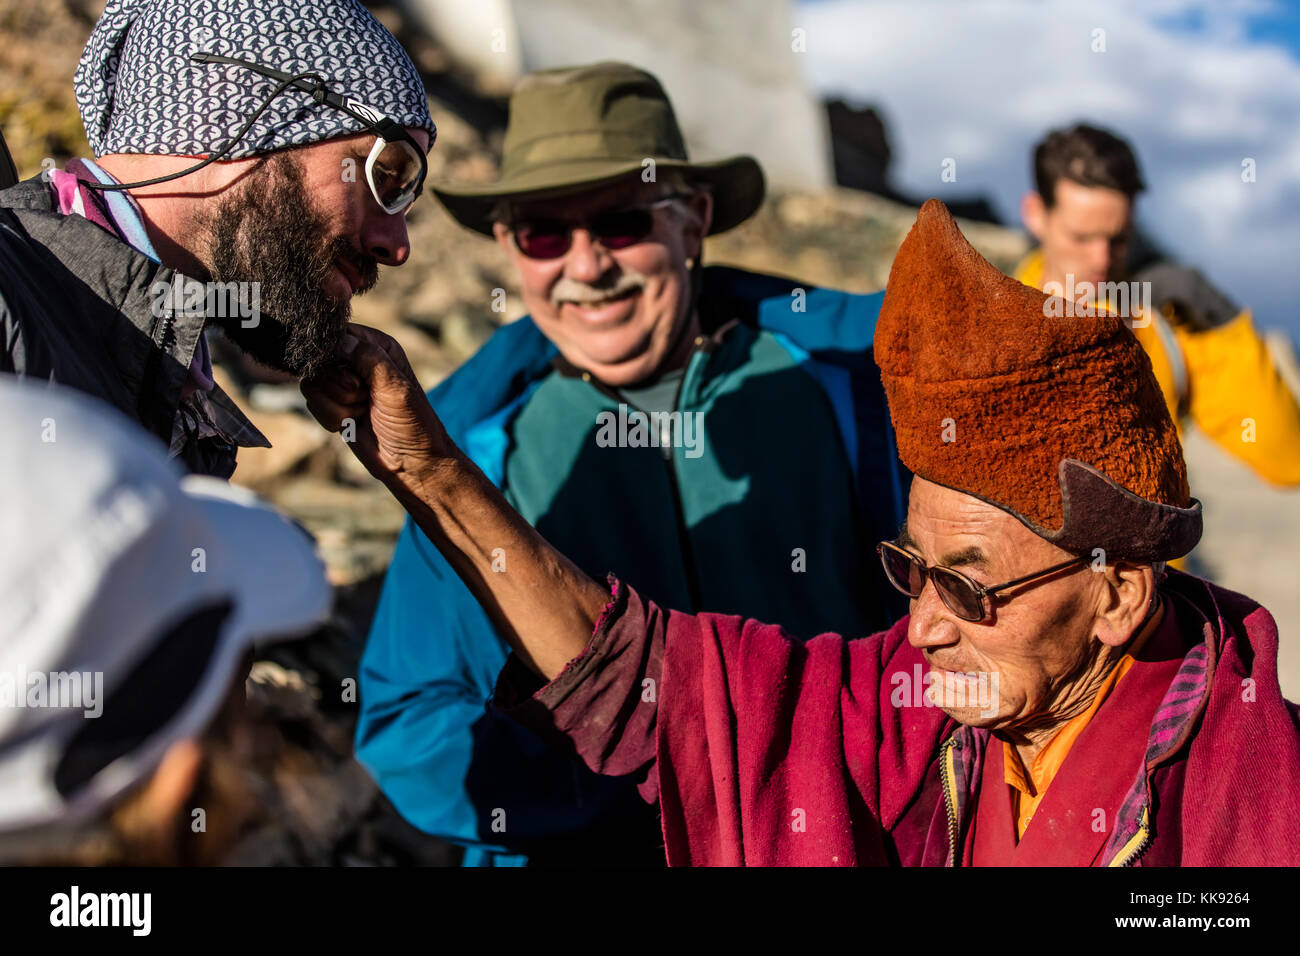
<point x="1056" y="695"/>
<point x="722" y="434"/>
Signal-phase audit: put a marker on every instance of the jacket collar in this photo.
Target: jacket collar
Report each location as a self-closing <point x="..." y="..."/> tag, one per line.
<point x="124" y="278"/>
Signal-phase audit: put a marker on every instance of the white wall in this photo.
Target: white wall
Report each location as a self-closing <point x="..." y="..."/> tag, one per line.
<point x="728" y="66"/>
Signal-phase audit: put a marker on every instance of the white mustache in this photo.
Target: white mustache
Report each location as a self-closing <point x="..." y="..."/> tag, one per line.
<point x="571" y="290"/>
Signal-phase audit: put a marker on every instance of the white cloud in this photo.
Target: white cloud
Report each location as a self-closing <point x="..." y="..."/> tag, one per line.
<point x="982" y="81"/>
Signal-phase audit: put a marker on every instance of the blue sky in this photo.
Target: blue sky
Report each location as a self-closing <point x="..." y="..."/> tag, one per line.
<point x="1271" y="23"/>
<point x="1197" y="86"/>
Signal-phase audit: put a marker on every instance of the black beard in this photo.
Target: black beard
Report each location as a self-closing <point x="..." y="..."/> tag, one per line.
<point x="271" y="234"/>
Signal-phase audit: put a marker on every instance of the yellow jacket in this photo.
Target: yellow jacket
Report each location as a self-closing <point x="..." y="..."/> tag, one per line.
<point x="1225" y="379"/>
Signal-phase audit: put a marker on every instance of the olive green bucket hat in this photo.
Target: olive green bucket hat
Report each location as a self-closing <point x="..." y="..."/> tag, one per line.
<point x="577" y="127"/>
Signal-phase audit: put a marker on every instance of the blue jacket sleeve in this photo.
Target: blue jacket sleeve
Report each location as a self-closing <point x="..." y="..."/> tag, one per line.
<point x="452" y="766"/>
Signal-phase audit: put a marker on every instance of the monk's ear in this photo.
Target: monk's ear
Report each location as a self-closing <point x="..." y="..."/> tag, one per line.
<point x="1126" y="594"/>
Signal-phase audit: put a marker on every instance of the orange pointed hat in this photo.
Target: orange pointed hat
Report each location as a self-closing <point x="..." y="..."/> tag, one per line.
<point x="1056" y="420"/>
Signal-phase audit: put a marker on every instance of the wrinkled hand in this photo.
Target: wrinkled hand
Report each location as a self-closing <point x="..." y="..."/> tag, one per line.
<point x="545" y="608"/>
<point x="374" y="400"/>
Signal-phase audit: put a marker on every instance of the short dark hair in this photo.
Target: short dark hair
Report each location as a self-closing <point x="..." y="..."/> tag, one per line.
<point x="1088" y="156"/>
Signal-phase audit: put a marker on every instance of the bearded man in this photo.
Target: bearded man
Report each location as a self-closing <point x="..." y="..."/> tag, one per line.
<point x="313" y="124"/>
<point x="1055" y="696"/>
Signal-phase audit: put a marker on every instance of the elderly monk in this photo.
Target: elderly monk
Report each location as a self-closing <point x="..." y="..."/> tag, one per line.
<point x="1094" y="708"/>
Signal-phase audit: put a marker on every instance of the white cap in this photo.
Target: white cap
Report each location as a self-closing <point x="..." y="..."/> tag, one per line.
<point x="127" y="589"/>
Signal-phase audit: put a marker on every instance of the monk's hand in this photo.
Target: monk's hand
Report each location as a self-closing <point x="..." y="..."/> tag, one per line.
<point x="372" y="398"/>
<point x="545" y="607"/>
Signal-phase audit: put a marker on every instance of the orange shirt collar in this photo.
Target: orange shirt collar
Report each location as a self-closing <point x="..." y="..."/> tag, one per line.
<point x="1029" y="789"/>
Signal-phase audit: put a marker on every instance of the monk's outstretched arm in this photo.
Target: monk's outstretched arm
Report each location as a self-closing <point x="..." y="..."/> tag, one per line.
<point x="542" y="604"/>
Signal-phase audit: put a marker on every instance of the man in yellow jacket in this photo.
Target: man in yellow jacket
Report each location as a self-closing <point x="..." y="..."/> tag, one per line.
<point x="1210" y="362"/>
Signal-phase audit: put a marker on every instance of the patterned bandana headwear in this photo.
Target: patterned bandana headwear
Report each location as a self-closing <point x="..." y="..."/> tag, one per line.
<point x="139" y="92"/>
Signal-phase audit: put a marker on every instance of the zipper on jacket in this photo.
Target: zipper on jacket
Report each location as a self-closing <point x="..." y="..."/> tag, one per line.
<point x="947" y="776"/>
<point x="163" y="421"/>
<point x="683" y="535"/>
<point x="167" y="333"/>
<point x="1131" y="851"/>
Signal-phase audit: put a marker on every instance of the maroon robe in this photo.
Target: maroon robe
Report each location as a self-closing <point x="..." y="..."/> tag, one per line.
<point x="762" y="750"/>
<point x="1072" y="824"/>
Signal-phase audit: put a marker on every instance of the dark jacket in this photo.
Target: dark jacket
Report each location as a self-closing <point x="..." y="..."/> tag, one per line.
<point x="76" y="309"/>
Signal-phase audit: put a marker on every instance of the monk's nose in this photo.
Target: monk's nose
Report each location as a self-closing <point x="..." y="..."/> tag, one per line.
<point x="931" y="623"/>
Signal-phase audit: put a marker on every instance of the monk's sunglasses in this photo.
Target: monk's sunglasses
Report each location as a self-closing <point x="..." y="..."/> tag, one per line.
<point x="970" y="602"/>
<point x="546" y="238"/>
<point x="395" y="168"/>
